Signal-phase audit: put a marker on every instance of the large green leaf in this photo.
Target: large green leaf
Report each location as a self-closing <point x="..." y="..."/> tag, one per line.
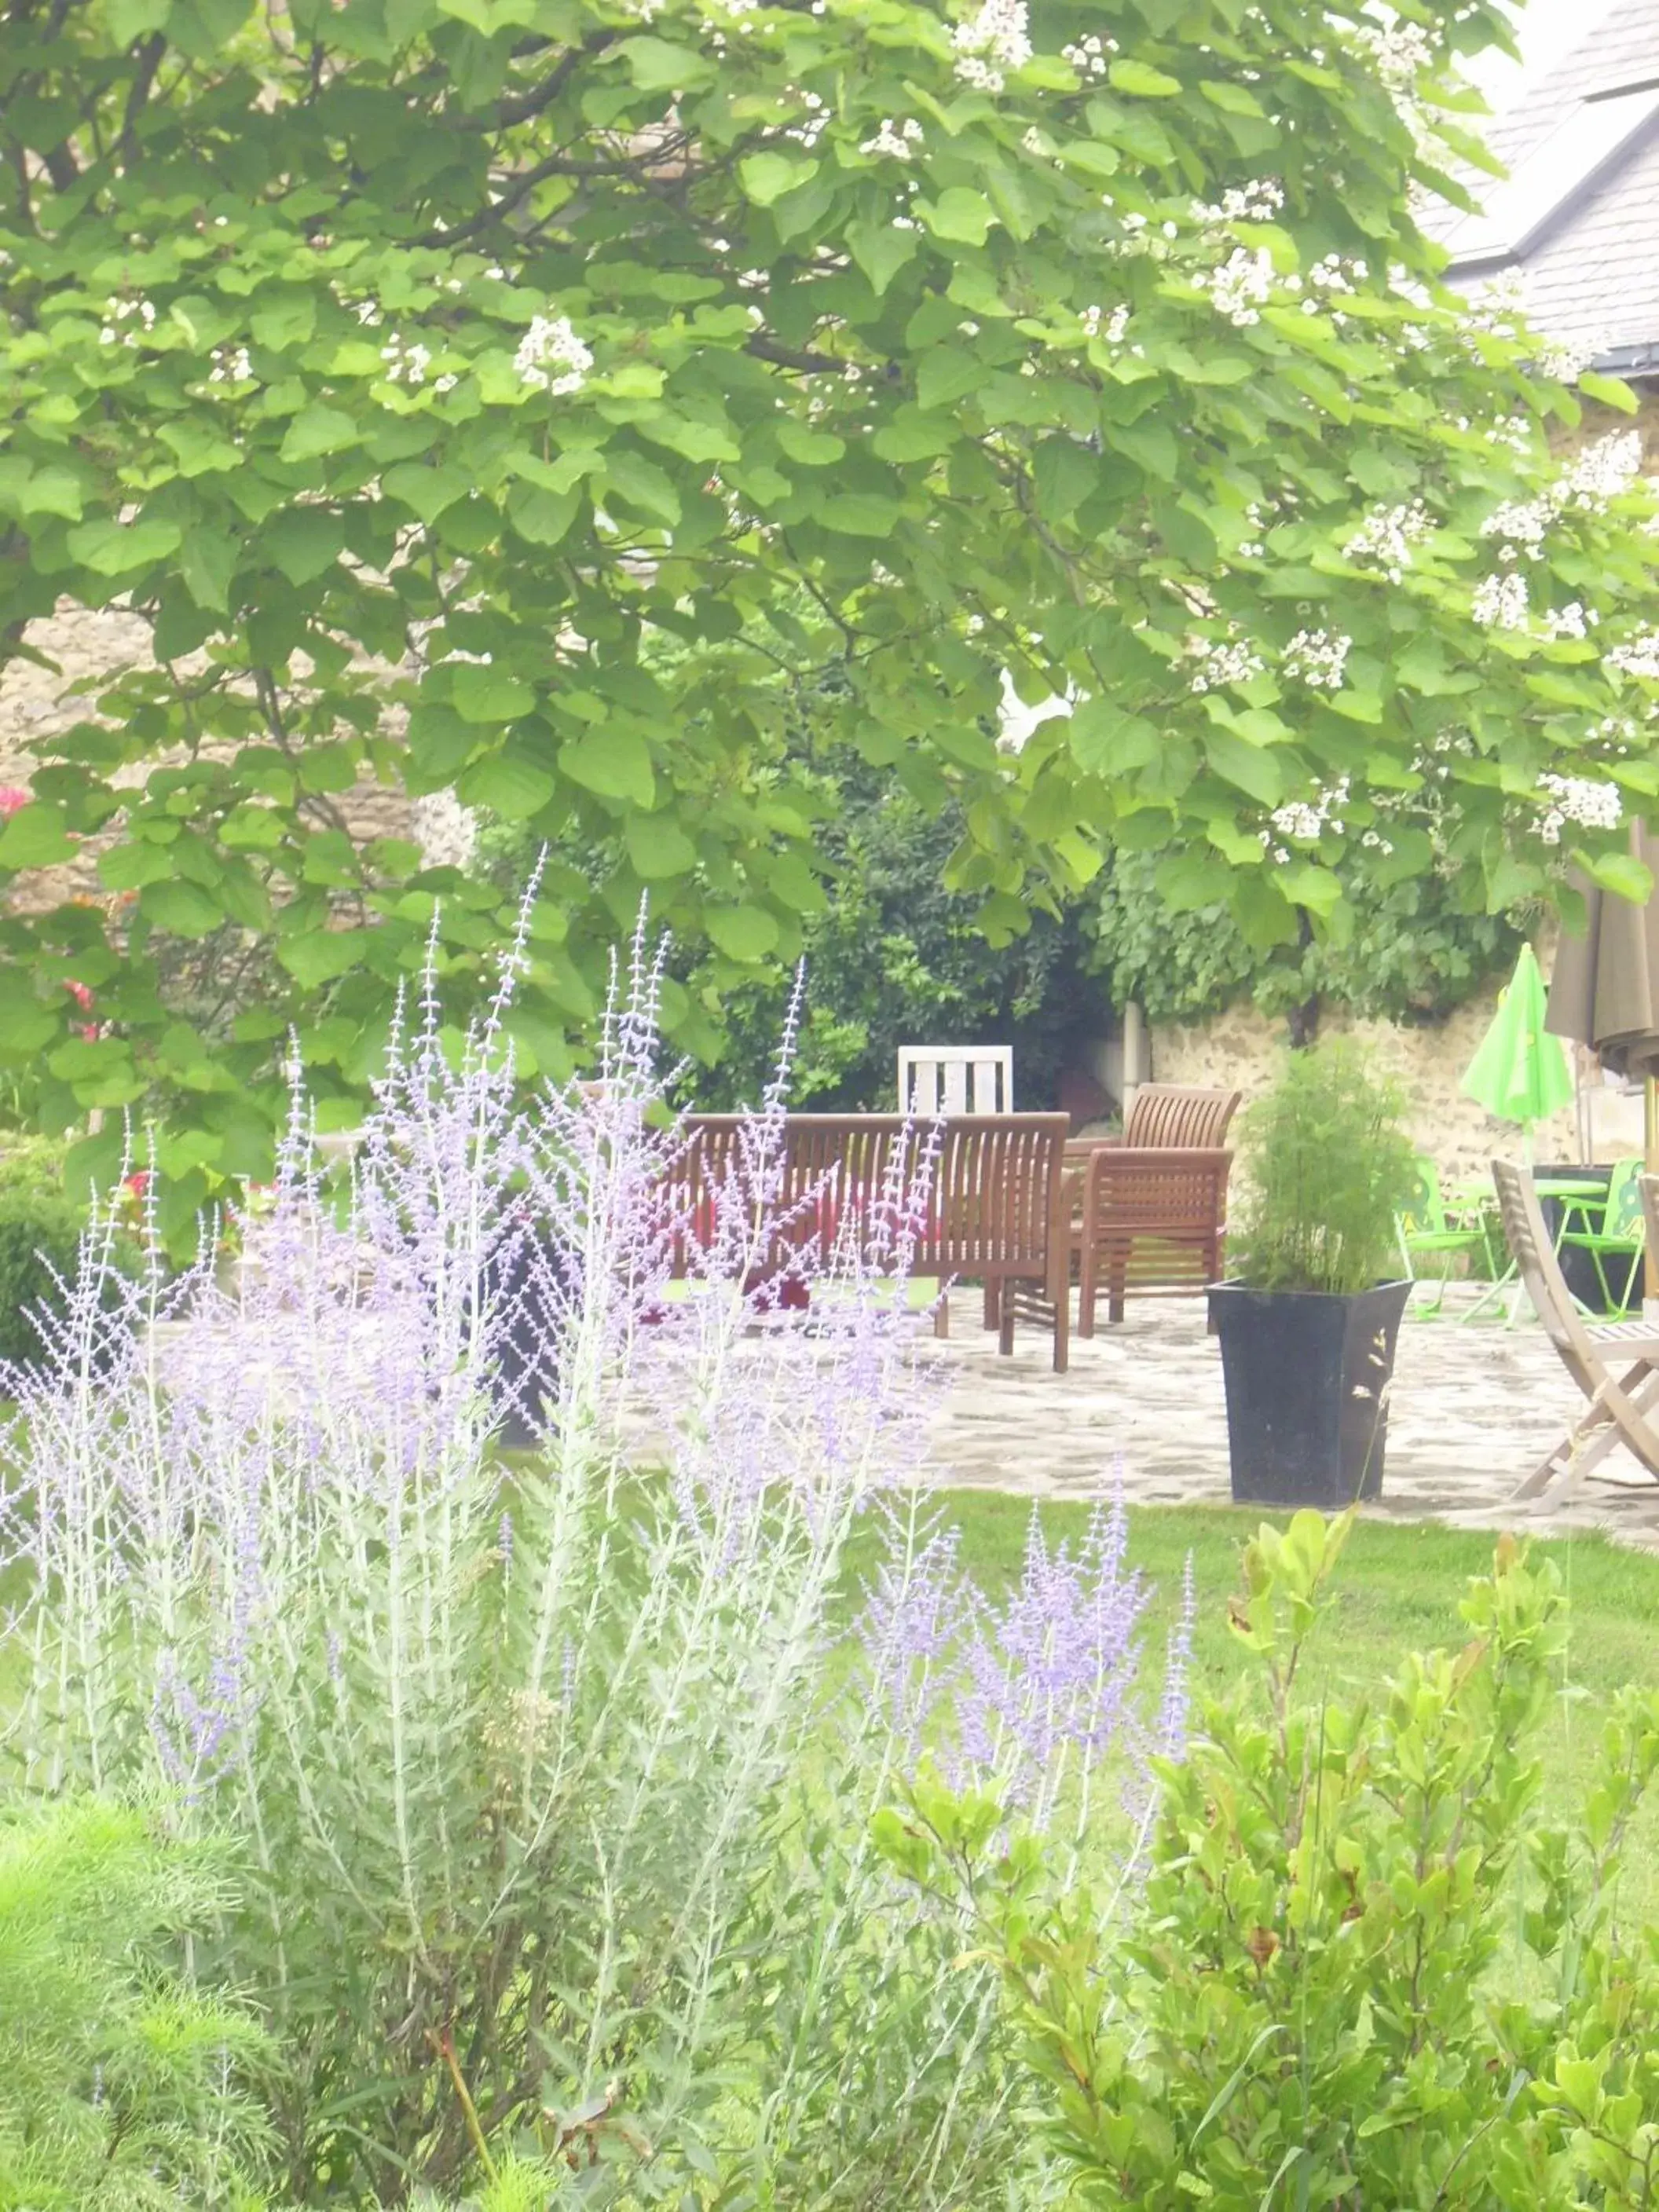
<point x="860" y="514"/>
<point x="318" y="430"/>
<point x="36" y="837"/>
<point x="658" y="847"/>
<point x="486" y="694"/>
<point x="116" y="549"/>
<point x="768" y="177"/>
<point x="509" y="786"/>
<point x="614" y="763"/>
<point x="742" y="932"/>
<point x="321" y="955"/>
<point x="182" y="909"/>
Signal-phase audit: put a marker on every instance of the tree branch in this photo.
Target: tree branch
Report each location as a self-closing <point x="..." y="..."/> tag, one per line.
<point x="150" y="55"/>
<point x="514" y="112"/>
<point x="810" y="364"/>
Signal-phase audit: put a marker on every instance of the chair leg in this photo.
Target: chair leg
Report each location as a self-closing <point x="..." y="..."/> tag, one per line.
<point x="942" y="1315"/>
<point x="1086" y="1290"/>
<point x="1006" y="1326"/>
<point x="1116" y="1283"/>
<point x="993" y="1303"/>
<point x="1063" y="1323"/>
<point x="1587" y="1443"/>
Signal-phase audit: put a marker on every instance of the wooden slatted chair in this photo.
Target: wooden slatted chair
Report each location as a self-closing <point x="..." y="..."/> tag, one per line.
<point x="1154" y="1221"/>
<point x="1174" y="1117"/>
<point x="1137" y="1254"/>
<point x="953" y="1078"/>
<point x="996" y="1212"/>
<point x="1620" y="1402"/>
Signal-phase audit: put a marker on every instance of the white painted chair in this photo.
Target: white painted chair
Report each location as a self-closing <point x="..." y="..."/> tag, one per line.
<point x="935" y="1079"/>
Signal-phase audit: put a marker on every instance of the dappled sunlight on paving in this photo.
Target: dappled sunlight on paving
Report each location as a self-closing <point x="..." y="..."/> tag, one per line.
<point x="1474" y="1406"/>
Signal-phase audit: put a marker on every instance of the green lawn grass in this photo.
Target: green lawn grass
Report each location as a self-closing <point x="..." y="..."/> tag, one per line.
<point x="1395" y="1590"/>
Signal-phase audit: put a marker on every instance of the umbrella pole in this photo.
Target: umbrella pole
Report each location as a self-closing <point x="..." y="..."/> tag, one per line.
<point x="1651" y="1156"/>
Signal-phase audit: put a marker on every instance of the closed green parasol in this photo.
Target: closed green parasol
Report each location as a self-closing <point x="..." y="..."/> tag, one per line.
<point x="1520" y="1073"/>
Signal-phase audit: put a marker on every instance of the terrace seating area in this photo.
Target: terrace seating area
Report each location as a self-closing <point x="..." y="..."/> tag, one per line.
<point x="1483" y="1421"/>
<point x="1012" y="1203"/>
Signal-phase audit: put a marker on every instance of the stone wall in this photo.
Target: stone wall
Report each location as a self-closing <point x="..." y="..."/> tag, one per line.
<point x="87" y="647"/>
<point x="1242" y="1047"/>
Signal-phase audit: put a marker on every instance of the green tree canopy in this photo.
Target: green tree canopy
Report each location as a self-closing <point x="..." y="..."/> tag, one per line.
<point x="411" y="366"/>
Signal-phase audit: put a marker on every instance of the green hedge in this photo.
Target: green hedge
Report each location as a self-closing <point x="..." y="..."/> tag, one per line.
<point x="40" y="1229"/>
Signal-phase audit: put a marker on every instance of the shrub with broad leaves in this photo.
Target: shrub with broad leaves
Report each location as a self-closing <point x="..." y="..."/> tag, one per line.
<point x="1359" y="1972"/>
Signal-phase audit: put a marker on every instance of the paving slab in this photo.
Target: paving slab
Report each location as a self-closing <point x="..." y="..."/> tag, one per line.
<point x="1473" y="1408"/>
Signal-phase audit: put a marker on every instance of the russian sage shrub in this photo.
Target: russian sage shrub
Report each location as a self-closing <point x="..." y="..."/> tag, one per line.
<point x="549" y="1780"/>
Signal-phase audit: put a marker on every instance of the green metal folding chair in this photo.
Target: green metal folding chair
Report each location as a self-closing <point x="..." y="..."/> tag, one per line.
<point x="1428" y="1230"/>
<point x="1614" y="1241"/>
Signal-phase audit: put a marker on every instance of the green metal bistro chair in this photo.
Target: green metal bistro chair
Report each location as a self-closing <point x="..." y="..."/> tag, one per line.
<point x="1614" y="1240"/>
<point x="1428" y="1230"/>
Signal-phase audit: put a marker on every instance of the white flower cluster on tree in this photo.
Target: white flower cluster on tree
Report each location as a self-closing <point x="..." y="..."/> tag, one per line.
<point x="1580" y="801"/>
<point x="1240" y="286"/>
<point x="1572" y="621"/>
<point x="1221" y="660"/>
<point x="1601" y="472"/>
<point x="446" y="831"/>
<point x="1523" y="525"/>
<point x="1259" y="201"/>
<point x="1588" y="484"/>
<point x="1316" y="658"/>
<point x="230" y="365"/>
<point x="407" y="362"/>
<point x="137" y="314"/>
<point x="1090" y="56"/>
<point x="1400" y="53"/>
<point x="1638" y="656"/>
<point x="1332" y="274"/>
<point x="1567" y="359"/>
<point x="996" y="40"/>
<point x="1500" y="602"/>
<point x="898" y="141"/>
<point x="1387" y="537"/>
<point x="551" y="357"/>
<point x="812" y="126"/>
<point x="1516" y="433"/>
<point x="1306" y="818"/>
<point x="1098" y="324"/>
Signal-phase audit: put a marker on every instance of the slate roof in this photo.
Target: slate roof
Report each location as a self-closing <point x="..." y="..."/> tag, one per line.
<point x="1593" y="275"/>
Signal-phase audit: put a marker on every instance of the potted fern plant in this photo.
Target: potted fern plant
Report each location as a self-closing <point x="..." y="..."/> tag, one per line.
<point x="1308" y="1318"/>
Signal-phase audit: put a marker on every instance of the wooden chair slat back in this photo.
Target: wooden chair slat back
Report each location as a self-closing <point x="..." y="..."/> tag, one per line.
<point x="935" y="1080"/>
<point x="1171" y="1116"/>
<point x="1534" y="1255"/>
<point x="1148" y="1186"/>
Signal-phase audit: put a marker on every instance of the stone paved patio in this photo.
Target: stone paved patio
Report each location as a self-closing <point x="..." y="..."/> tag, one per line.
<point x="1474" y="1408"/>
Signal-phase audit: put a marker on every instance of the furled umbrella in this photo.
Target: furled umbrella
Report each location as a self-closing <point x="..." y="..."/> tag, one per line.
<point x="1519" y="1072"/>
<point x="1605" y="992"/>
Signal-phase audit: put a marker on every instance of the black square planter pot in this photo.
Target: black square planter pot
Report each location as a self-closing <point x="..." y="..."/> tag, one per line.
<point x="1306" y="1373"/>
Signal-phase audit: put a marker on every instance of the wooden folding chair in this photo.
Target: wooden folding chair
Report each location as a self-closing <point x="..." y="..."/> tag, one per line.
<point x="1620" y="1403"/>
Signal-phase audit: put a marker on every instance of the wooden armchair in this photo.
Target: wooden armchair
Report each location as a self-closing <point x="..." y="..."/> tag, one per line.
<point x="1153" y="1220"/>
<point x="1172" y="1117"/>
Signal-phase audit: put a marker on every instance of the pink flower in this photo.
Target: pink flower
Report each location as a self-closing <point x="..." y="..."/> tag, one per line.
<point x="138" y="1183"/>
<point x="13" y="800"/>
<point x="81" y="996"/>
